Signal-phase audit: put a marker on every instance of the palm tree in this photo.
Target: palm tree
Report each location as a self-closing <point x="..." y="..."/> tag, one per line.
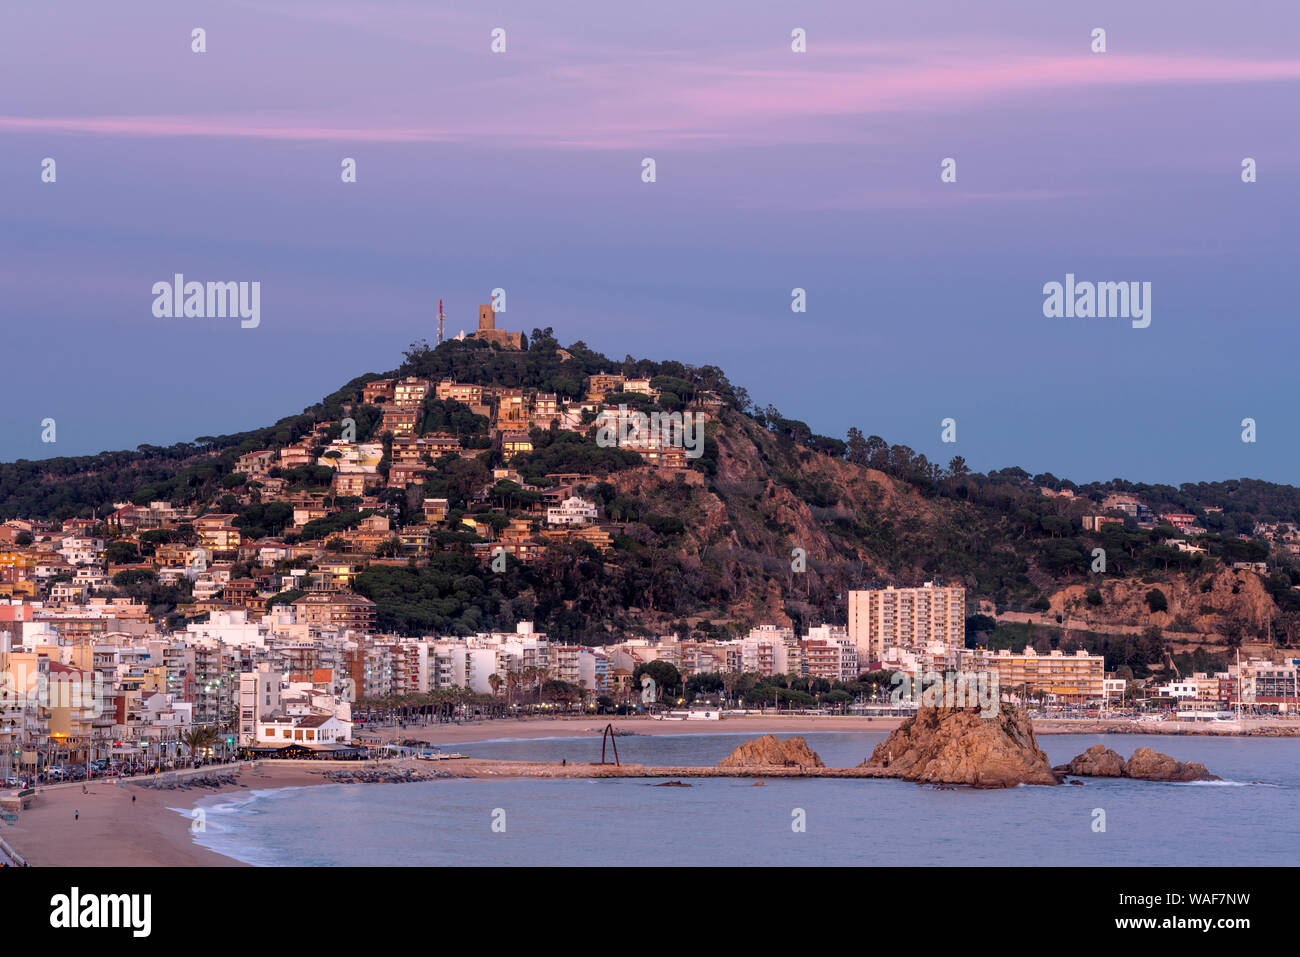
<point x="512" y="684"/>
<point x="196" y="739"/>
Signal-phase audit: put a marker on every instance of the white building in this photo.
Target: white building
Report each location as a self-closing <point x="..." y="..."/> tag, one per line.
<point x="309" y="730"/>
<point x="259" y="695"/>
<point x="78" y="550"/>
<point x="881" y="618"/>
<point x="572" y="511"/>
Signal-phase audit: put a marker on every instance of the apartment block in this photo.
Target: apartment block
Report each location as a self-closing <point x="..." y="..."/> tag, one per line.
<point x="881" y="618"/>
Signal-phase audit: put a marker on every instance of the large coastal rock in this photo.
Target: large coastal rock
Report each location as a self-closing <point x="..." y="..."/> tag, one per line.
<point x="1145" y="765"/>
<point x="1098" y="761"/>
<point x="965" y="746"/>
<point x="767" y="751"/>
<point x="1150" y="765"/>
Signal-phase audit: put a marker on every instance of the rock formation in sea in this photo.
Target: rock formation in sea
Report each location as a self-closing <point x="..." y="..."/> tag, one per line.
<point x="767" y="751"/>
<point x="965" y="746"/>
<point x="1146" y="764"/>
<point x="1098" y="761"/>
<point x="1150" y="765"/>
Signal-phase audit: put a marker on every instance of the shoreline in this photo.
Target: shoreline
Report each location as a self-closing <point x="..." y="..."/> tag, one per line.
<point x="154" y="830"/>
<point x="105" y="828"/>
<point x="504" y="729"/>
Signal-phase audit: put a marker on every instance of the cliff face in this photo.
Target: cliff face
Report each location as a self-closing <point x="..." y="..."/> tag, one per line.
<point x="1213" y="604"/>
<point x="767" y="751"/>
<point x="962" y="746"/>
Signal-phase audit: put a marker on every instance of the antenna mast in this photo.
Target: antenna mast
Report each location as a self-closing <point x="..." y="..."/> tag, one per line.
<point x="439" y="322"/>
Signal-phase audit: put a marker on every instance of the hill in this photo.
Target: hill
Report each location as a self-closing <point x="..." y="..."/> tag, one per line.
<point x="772" y="523"/>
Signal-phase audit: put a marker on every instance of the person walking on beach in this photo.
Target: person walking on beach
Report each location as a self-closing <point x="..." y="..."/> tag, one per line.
<point x="132" y="798"/>
<point x="76" y="815"/>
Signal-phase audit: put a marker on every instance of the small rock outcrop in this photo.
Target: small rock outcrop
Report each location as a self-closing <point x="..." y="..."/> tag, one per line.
<point x="1148" y="764"/>
<point x="1098" y="761"/>
<point x="767" y="751"/>
<point x="965" y="746"/>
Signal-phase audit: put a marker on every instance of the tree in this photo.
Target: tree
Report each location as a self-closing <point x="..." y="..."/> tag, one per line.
<point x="121" y="552"/>
<point x="664" y="674"/>
<point x="1157" y="601"/>
<point x="197" y="739"/>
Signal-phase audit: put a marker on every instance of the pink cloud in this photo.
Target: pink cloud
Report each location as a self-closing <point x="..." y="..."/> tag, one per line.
<point x="641" y="102"/>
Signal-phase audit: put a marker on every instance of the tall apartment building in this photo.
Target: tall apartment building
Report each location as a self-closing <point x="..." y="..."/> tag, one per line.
<point x="881" y="618"/>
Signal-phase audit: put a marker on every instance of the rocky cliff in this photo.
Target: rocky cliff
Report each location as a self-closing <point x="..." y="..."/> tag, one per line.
<point x="965" y="746"/>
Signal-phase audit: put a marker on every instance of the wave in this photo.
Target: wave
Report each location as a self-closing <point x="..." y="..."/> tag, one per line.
<point x="1226" y="784"/>
<point x="223" y="831"/>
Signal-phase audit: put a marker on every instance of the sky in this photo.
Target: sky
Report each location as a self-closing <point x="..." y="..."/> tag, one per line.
<point x="774" y="170"/>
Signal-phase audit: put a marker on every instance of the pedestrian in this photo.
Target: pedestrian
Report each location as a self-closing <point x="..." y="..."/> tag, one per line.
<point x="132" y="798"/>
<point x="76" y="815"/>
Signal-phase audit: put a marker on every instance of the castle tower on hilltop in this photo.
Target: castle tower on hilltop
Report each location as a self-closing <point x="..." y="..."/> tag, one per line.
<point x="488" y="331"/>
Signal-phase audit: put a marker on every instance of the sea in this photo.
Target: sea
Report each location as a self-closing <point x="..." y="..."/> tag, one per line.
<point x="1250" y="818"/>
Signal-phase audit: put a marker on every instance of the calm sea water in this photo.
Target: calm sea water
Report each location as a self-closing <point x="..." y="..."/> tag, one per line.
<point x="1252" y="818"/>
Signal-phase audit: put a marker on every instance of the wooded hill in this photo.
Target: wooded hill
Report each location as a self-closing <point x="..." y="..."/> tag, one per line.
<point x="716" y="557"/>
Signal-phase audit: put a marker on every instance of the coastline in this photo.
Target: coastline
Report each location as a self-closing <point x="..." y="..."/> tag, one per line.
<point x="113" y="830"/>
<point x="531" y="728"/>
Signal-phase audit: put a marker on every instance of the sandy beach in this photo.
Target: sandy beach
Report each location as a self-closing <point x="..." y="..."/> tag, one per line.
<point x="528" y="728"/>
<point x="109" y="829"/>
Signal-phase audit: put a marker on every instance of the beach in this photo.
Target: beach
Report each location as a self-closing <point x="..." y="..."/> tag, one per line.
<point x="109" y="829"/>
<point x="528" y="728"/>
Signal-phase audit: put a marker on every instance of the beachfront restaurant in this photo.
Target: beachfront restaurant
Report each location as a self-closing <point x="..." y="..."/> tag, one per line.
<point x="311" y="752"/>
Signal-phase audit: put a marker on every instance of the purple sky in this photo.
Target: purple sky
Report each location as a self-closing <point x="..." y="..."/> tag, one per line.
<point x="775" y="170"/>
